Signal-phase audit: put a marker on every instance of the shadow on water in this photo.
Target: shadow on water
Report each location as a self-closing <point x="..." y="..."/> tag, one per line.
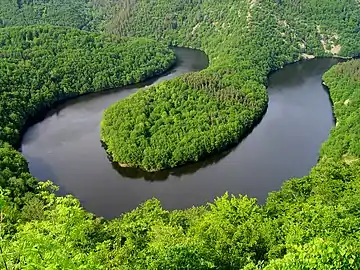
<point x="163" y="175"/>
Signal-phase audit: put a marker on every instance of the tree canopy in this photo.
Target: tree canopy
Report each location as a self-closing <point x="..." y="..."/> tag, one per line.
<point x="71" y="13"/>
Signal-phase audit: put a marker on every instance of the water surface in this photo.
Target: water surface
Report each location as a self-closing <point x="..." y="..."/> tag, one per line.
<point x="66" y="148"/>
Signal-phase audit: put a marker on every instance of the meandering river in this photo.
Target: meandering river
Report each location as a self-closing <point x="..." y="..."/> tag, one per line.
<point x="65" y="147"/>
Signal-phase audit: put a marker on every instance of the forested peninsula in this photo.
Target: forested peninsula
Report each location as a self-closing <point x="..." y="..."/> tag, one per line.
<point x="311" y="223"/>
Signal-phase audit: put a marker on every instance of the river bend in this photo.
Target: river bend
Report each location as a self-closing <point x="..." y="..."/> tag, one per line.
<point x="65" y="147"/>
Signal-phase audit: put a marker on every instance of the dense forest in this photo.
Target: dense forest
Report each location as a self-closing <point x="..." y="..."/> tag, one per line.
<point x="72" y="13"/>
<point x="311" y="223"/>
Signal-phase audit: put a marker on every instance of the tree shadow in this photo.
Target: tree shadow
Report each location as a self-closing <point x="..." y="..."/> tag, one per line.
<point x="163" y="175"/>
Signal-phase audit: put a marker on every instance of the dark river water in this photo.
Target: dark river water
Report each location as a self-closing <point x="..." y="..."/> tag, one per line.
<point x="65" y="147"/>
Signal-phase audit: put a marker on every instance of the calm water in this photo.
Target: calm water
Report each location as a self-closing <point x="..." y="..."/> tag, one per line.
<point x="65" y="147"/>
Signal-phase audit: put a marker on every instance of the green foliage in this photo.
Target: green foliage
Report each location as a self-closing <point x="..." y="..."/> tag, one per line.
<point x="65" y="239"/>
<point x="319" y="254"/>
<point x="14" y="176"/>
<point x="71" y="13"/>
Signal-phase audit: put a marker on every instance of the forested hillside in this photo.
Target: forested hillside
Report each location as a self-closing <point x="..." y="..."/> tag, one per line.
<point x="90" y="15"/>
<point x="311" y="223"/>
<point x="72" y="13"/>
<point x="308" y="26"/>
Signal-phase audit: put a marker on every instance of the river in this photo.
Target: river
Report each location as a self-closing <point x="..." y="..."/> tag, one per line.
<point x="65" y="147"/>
